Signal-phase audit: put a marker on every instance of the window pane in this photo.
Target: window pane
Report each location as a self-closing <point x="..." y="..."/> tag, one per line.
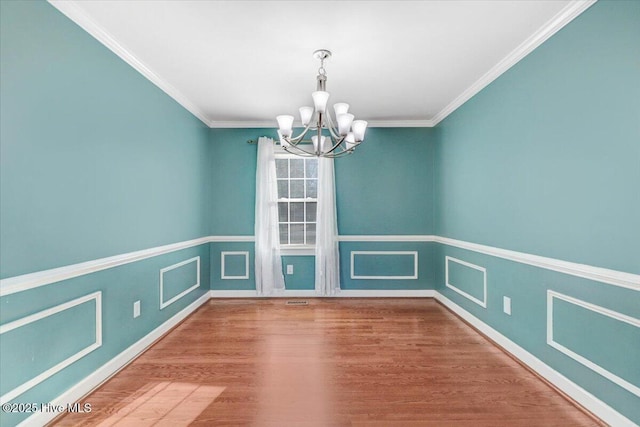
<point x="311" y="211"/>
<point x="297" y="188"/>
<point x="311" y="234"/>
<point x="296" y="212"/>
<point x="297" y="168"/>
<point x="283" y="188"/>
<point x="282" y="168"/>
<point x="297" y="234"/>
<point x="284" y="234"/>
<point x="312" y="168"/>
<point x="283" y="212"/>
<point x="312" y="188"/>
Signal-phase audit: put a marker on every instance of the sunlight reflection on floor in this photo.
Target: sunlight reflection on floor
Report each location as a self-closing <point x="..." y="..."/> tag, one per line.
<point x="165" y="404"/>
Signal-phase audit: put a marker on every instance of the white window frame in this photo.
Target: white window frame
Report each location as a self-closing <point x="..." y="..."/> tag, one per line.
<point x="296" y="249"/>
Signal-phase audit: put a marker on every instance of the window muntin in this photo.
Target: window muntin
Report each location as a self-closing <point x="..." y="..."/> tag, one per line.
<point x="297" y="199"/>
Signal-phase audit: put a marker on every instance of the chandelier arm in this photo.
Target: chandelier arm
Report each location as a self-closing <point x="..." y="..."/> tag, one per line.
<point x="332" y="129"/>
<point x="299" y="151"/>
<point x="319" y="145"/>
<point x="296" y="150"/>
<point x="336" y="155"/>
<point x="338" y="139"/>
<point x="336" y="143"/>
<point x="298" y="138"/>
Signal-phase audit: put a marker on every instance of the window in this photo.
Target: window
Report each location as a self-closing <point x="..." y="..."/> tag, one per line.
<point x="297" y="199"/>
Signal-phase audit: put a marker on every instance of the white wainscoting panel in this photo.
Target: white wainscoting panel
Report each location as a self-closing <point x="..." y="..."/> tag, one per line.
<point x="413" y="254"/>
<point x="580" y="395"/>
<point x="163" y="303"/>
<point x="223" y="274"/>
<point x="97" y="296"/>
<point x="481" y="303"/>
<point x="551" y="295"/>
<point x="112" y="367"/>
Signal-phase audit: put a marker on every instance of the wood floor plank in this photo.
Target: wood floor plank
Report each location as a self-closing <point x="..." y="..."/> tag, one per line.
<point x="333" y="362"/>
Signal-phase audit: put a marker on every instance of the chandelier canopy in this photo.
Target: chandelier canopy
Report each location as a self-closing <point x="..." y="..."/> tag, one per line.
<point x="328" y="138"/>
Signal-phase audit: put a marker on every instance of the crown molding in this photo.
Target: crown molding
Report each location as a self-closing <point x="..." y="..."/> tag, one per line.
<point x="555" y="24"/>
<point x="562" y="18"/>
<point x="401" y="124"/>
<point x="242" y="124"/>
<point x="71" y="10"/>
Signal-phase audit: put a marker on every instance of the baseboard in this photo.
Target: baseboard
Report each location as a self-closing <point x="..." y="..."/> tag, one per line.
<point x="574" y="391"/>
<point x="352" y="293"/>
<point x="106" y="371"/>
<point x="233" y="294"/>
<point x="387" y="293"/>
<point x="298" y="293"/>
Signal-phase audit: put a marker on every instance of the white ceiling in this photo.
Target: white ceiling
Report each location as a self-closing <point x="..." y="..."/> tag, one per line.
<point x="398" y="63"/>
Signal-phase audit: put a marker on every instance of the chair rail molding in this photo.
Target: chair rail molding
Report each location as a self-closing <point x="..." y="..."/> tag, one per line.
<point x="24" y="282"/>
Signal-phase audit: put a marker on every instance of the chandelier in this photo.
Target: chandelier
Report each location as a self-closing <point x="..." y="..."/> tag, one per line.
<point x="328" y="137"/>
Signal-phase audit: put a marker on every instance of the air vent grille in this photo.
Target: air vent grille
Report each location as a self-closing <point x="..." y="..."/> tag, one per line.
<point x="297" y="302"/>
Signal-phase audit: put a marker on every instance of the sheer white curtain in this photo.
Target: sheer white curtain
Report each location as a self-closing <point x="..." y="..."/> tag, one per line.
<point x="327" y="253"/>
<point x="269" y="278"/>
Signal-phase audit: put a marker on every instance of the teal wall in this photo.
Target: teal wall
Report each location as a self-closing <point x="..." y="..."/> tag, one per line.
<point x="394" y="165"/>
<point x="233" y="180"/>
<point x="546" y="160"/>
<point x="386" y="188"/>
<point x="96" y="160"/>
<point x="304" y="271"/>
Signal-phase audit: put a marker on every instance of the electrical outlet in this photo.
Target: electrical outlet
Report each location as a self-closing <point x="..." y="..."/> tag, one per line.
<point x="289" y="269"/>
<point x="136" y="309"/>
<point x="506" y="305"/>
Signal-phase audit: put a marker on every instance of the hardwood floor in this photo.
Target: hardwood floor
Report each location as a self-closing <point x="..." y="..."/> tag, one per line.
<point x="334" y="362"/>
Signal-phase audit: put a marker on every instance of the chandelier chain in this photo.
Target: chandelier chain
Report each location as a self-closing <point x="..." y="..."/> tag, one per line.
<point x="321" y="70"/>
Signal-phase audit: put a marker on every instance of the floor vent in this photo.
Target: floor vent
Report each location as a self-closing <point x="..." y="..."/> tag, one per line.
<point x="297" y="302"/>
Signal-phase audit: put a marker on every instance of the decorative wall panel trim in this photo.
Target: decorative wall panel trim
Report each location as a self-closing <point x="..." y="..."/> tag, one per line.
<point x="580" y="395"/>
<point x="413" y="254"/>
<point x="223" y="274"/>
<point x="163" y="303"/>
<point x="551" y="295"/>
<point x="483" y="301"/>
<point x="97" y="297"/>
<point x="106" y="371"/>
